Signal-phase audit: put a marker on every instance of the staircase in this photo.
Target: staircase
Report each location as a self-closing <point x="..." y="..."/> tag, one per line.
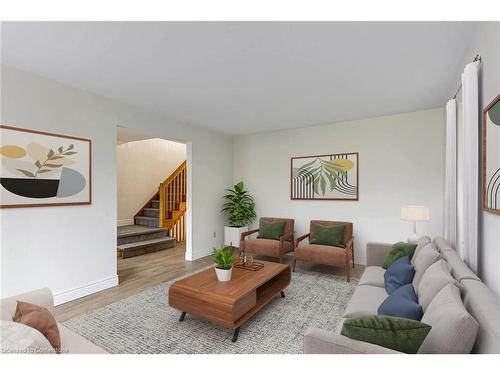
<point x="161" y="222"/>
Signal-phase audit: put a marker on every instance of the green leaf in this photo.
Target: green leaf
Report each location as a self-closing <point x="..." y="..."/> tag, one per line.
<point x="308" y="164"/>
<point x="60" y="149"/>
<point x="53" y="165"/>
<point x="323" y="184"/>
<point x="70" y="153"/>
<point x="316" y="185"/>
<point x="50" y="154"/>
<point x="26" y="173"/>
<point x="38" y="164"/>
<point x="71" y="146"/>
<point x="333" y="182"/>
<point x="56" y="157"/>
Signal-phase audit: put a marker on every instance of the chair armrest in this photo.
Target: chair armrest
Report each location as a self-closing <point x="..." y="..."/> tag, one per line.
<point x="301" y="238"/>
<point x="376" y="253"/>
<point x="41" y="297"/>
<point x="248" y="233"/>
<point x="320" y="341"/>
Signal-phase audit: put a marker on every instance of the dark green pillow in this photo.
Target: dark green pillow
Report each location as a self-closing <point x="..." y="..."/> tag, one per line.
<point x="271" y="230"/>
<point x="399" y="250"/>
<point x="403" y="335"/>
<point x="331" y="235"/>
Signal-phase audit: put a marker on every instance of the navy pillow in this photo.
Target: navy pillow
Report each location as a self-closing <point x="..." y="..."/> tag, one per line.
<point x="398" y="274"/>
<point x="402" y="303"/>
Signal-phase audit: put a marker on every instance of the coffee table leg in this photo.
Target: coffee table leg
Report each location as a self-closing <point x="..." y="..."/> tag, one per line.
<point x="236" y="333"/>
<point x="282" y="294"/>
<point x="183" y="315"/>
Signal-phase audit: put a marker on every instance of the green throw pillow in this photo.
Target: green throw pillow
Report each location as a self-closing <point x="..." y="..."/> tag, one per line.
<point x="331" y="235"/>
<point x="399" y="250"/>
<point x="403" y="335"/>
<point x="271" y="230"/>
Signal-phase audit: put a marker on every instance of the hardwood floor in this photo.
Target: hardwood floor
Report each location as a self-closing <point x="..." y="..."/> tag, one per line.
<point x="144" y="271"/>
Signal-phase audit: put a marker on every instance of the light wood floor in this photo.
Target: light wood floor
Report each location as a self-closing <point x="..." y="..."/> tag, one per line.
<point x="138" y="273"/>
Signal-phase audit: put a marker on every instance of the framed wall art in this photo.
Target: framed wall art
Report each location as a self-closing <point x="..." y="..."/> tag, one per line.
<point x="491" y="157"/>
<point x="43" y="169"/>
<point x="325" y="177"/>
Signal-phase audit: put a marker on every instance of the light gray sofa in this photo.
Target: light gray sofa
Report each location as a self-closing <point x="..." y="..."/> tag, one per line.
<point x="71" y="343"/>
<point x="479" y="301"/>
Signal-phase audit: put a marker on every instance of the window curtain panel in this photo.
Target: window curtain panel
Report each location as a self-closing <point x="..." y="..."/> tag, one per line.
<point x="468" y="246"/>
<point x="450" y="194"/>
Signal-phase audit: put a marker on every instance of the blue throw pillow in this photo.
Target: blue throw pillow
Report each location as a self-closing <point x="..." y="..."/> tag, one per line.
<point x="402" y="303"/>
<point x="398" y="274"/>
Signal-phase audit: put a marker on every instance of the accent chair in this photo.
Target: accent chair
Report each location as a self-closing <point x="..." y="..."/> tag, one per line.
<point x="269" y="247"/>
<point x="326" y="254"/>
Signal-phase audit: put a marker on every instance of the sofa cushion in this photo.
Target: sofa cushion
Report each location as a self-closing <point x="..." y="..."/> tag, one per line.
<point x="458" y="268"/>
<point x="365" y="300"/>
<point x="373" y="275"/>
<point x="421" y="243"/>
<point x="424" y="258"/>
<point x="454" y="330"/>
<point x="40" y="319"/>
<point x="398" y="274"/>
<point x="321" y="254"/>
<point x="402" y="303"/>
<point x="404" y="335"/>
<point x="271" y="230"/>
<point x="72" y="343"/>
<point x="435" y="278"/>
<point x="22" y="339"/>
<point x="330" y="235"/>
<point x="399" y="250"/>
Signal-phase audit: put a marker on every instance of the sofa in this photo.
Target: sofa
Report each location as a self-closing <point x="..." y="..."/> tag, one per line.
<point x="14" y="334"/>
<point x="478" y="300"/>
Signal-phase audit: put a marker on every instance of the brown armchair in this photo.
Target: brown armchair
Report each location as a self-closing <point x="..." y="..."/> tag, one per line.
<point x="271" y="248"/>
<point x="324" y="254"/>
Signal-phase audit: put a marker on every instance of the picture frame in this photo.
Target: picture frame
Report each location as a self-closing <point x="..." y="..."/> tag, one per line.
<point x="40" y="169"/>
<point x="491" y="156"/>
<point x="325" y="177"/>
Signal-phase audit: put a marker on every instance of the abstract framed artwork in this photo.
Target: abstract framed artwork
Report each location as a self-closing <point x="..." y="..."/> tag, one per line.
<point x="43" y="169"/>
<point x="491" y="157"/>
<point x="325" y="177"/>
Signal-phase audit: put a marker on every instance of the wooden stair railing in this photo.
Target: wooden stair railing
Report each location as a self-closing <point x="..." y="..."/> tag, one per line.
<point x="172" y="208"/>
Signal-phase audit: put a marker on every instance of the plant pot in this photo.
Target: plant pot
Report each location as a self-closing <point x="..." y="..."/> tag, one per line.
<point x="223" y="275"/>
<point x="232" y="235"/>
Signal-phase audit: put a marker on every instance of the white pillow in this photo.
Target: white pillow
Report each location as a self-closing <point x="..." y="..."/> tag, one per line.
<point x="19" y="338"/>
<point x="435" y="278"/>
<point x="423" y="259"/>
<point x="454" y="330"/>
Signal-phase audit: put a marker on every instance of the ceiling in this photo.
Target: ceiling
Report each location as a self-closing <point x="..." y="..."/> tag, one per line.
<point x="248" y="77"/>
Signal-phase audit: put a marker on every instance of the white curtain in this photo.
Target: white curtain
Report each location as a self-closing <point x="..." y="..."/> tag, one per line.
<point x="468" y="230"/>
<point x="450" y="194"/>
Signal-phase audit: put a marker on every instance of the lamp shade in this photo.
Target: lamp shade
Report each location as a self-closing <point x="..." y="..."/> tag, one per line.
<point x="415" y="213"/>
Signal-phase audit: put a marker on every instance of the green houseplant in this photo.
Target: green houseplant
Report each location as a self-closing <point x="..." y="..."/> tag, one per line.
<point x="240" y="209"/>
<point x="223" y="259"/>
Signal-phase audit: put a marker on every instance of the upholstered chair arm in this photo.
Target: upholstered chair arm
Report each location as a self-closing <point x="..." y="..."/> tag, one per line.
<point x="376" y="253"/>
<point x="248" y="233"/>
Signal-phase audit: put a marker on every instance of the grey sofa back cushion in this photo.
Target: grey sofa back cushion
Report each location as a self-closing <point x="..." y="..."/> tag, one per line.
<point x="484" y="306"/>
<point x="453" y="330"/>
<point x="435" y="278"/>
<point x="458" y="268"/>
<point x="422" y="242"/>
<point x="423" y="259"/>
<point x="442" y="245"/>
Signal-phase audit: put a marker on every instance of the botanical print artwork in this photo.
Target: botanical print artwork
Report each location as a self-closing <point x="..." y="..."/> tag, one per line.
<point x="329" y="177"/>
<point x="491" y="157"/>
<point x="39" y="168"/>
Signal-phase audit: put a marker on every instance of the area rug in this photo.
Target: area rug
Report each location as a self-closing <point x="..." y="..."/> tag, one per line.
<point x="144" y="323"/>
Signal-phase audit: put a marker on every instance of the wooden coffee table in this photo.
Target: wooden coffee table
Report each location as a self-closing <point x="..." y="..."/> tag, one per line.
<point x="231" y="303"/>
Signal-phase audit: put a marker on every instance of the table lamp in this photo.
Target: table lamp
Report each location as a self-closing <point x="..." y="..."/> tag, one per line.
<point x="414" y="213"/>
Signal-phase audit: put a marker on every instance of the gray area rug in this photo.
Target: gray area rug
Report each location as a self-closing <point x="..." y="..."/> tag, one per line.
<point x="144" y="323"/>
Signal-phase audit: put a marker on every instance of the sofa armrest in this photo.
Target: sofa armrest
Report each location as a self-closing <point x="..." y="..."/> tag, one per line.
<point x="41" y="297"/>
<point x="376" y="253"/>
<point x="320" y="341"/>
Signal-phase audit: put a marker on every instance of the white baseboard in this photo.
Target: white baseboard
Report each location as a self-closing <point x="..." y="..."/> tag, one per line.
<point x="123" y="222"/>
<point x="85" y="290"/>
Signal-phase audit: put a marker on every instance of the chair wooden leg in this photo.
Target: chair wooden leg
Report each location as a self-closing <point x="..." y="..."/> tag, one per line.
<point x="293" y="264"/>
<point x="281" y="258"/>
<point x="352" y="254"/>
<point x="347" y="269"/>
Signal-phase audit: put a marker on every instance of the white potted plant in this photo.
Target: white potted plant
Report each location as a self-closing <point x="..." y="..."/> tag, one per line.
<point x="240" y="208"/>
<point x="223" y="259"/>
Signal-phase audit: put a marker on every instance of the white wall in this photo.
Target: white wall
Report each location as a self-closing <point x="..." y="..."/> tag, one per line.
<point x="141" y="167"/>
<point x="72" y="250"/>
<point x="487" y="44"/>
<point x="401" y="162"/>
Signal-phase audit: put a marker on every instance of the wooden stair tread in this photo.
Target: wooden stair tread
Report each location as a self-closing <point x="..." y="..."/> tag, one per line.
<point x="134" y="245"/>
<point x="135" y="230"/>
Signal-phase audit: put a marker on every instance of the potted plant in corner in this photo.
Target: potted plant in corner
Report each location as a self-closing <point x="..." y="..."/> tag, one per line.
<point x="223" y="259"/>
<point x="240" y="208"/>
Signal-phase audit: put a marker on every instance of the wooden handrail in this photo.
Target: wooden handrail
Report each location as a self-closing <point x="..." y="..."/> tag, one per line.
<point x="172" y="195"/>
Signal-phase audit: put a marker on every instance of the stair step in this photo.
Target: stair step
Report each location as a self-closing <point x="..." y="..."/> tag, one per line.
<point x="145" y="247"/>
<point x="152" y="212"/>
<point x="147" y="221"/>
<point x="135" y="233"/>
<point x="155" y="203"/>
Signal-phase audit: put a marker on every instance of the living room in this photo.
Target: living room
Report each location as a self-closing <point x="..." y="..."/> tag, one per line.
<point x="338" y="196"/>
